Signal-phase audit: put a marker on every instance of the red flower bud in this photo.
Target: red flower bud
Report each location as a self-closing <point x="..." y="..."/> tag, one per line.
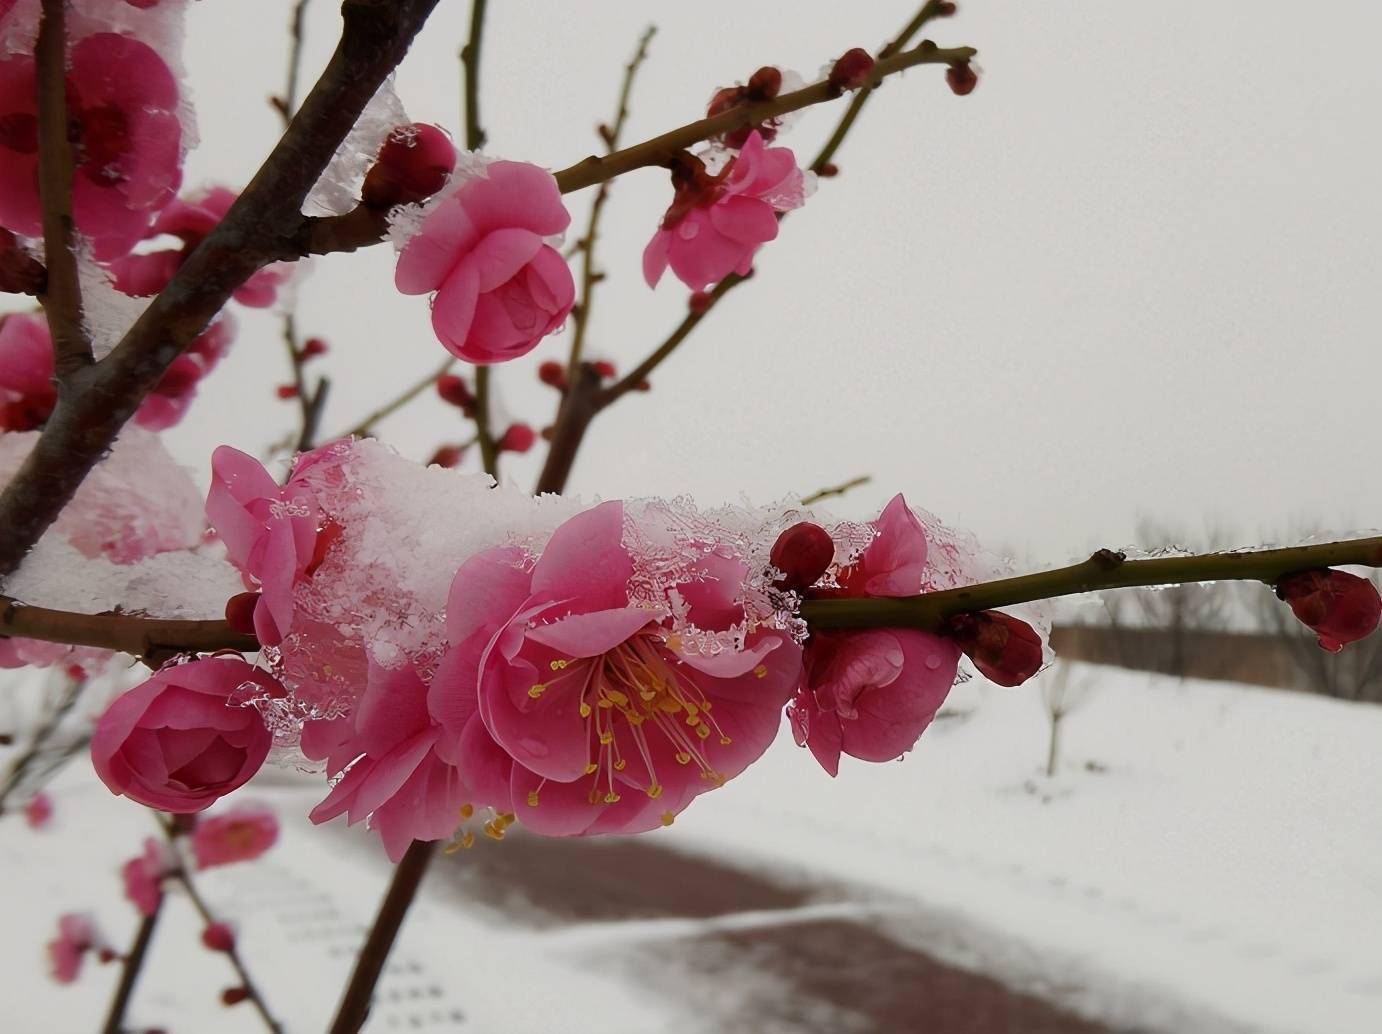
<point x="454" y="390"/>
<point x="413" y="164"/>
<point x="764" y="84"/>
<point x="286" y="391"/>
<point x="234" y="995"/>
<point x="725" y="98"/>
<point x="240" y="612"/>
<point x="219" y="937"/>
<point x="828" y="170"/>
<point x="945" y="9"/>
<point x="802" y="553"/>
<point x="314" y="346"/>
<point x="552" y="373"/>
<point x="605" y="369"/>
<point x="1337" y="606"/>
<point x="1006" y="651"/>
<point x="962" y="79"/>
<point x="518" y="438"/>
<point x="447" y="456"/>
<point x="853" y="70"/>
<point x="699" y="302"/>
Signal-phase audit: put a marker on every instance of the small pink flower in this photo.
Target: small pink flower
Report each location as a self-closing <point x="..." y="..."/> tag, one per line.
<point x="610" y="720"/>
<point x="190" y="219"/>
<point x="39" y="811"/>
<point x="393" y="776"/>
<point x="179" y="742"/>
<point x="270" y="533"/>
<point x="27" y="396"/>
<point x="76" y="936"/>
<point x="122" y="107"/>
<point x="871" y="694"/>
<point x="500" y="288"/>
<point x="717" y="223"/>
<point x="143" y="876"/>
<point x="239" y="835"/>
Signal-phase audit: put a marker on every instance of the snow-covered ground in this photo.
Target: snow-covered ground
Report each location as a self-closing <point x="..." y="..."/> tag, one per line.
<point x="1207" y="859"/>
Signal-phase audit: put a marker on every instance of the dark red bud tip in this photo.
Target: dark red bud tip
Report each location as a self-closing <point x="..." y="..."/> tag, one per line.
<point x="454" y="390"/>
<point x="552" y="373"/>
<point x="605" y="369"/>
<point x="699" y="302"/>
<point x="1337" y="606"/>
<point x="829" y="170"/>
<point x="234" y="995"/>
<point x="240" y="612"/>
<point x="219" y="937"/>
<point x="413" y="164"/>
<point x="286" y="391"/>
<point x="314" y="346"/>
<point x="447" y="456"/>
<point x="764" y="84"/>
<point x="1006" y="650"/>
<point x="945" y="9"/>
<point x="853" y="70"/>
<point x="518" y="438"/>
<point x="104" y="955"/>
<point x="802" y="553"/>
<point x="962" y="79"/>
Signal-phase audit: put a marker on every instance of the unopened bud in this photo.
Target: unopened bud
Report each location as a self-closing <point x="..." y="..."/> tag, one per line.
<point x="234" y="995"/>
<point x="962" y="79"/>
<point x="828" y="170"/>
<point x="853" y="70"/>
<point x="699" y="302"/>
<point x="553" y="374"/>
<point x="447" y="456"/>
<point x="454" y="390"/>
<point x="518" y="438"/>
<point x="764" y="84"/>
<point x="802" y="553"/>
<point x="1337" y="606"/>
<point x="605" y="369"/>
<point x="314" y="346"/>
<point x="945" y="9"/>
<point x="286" y="391"/>
<point x="1006" y="650"/>
<point x="219" y="937"/>
<point x="413" y="164"/>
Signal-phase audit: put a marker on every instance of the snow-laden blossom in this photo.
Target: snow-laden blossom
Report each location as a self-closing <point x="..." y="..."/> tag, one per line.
<point x="270" y="533"/>
<point x="716" y="224"/>
<point x="500" y="287"/>
<point x="143" y="876"/>
<point x="612" y="717"/>
<point x="241" y="834"/>
<point x="190" y="219"/>
<point x="76" y="936"/>
<point x="870" y="694"/>
<point x="27" y="395"/>
<point x="123" y="124"/>
<point x="184" y="739"/>
<point x="393" y="775"/>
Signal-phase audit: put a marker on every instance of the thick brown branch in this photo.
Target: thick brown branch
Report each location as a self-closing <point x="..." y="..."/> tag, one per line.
<point x="257" y="230"/>
<point x="62" y="301"/>
<point x="579" y="405"/>
<point x="127" y="633"/>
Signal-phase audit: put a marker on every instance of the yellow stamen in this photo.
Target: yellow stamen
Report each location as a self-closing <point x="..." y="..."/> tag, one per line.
<point x="536" y="690"/>
<point x="532" y="798"/>
<point x="467" y="810"/>
<point x="668" y="818"/>
<point x="654" y="791"/>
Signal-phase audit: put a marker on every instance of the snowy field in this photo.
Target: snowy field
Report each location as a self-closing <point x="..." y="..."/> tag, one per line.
<point x="1205" y="860"/>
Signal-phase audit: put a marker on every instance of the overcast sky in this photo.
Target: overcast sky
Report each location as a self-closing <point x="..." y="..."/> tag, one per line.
<point x="1137" y="271"/>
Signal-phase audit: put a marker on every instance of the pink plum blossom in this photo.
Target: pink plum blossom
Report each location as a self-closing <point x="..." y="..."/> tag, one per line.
<point x="395" y="777"/>
<point x="122" y="108"/>
<point x="76" y="936"/>
<point x="270" y="533"/>
<point x="190" y="219"/>
<point x="609" y="718"/>
<point x="716" y="224"/>
<point x="870" y="694"/>
<point x="167" y="404"/>
<point x="500" y="288"/>
<point x="241" y="834"/>
<point x="27" y="395"/>
<point x="183" y="739"/>
<point x="143" y="876"/>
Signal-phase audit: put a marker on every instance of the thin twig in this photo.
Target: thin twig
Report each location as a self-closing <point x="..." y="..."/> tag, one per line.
<point x="589" y="277"/>
<point x="1104" y="570"/>
<point x="484" y="433"/>
<point x="252" y="992"/>
<point x="369" y="964"/>
<point x="298" y="37"/>
<point x="841" y="489"/>
<point x="366" y="425"/>
<point x="129" y="971"/>
<point x="62" y="299"/>
<point x="19" y="771"/>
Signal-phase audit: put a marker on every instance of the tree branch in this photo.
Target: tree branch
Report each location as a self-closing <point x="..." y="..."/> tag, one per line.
<point x="258" y="229"/>
<point x="126" y="633"/>
<point x="62" y="297"/>
<point x="369" y="964"/>
<point x="836" y="490"/>
<point x="129" y="971"/>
